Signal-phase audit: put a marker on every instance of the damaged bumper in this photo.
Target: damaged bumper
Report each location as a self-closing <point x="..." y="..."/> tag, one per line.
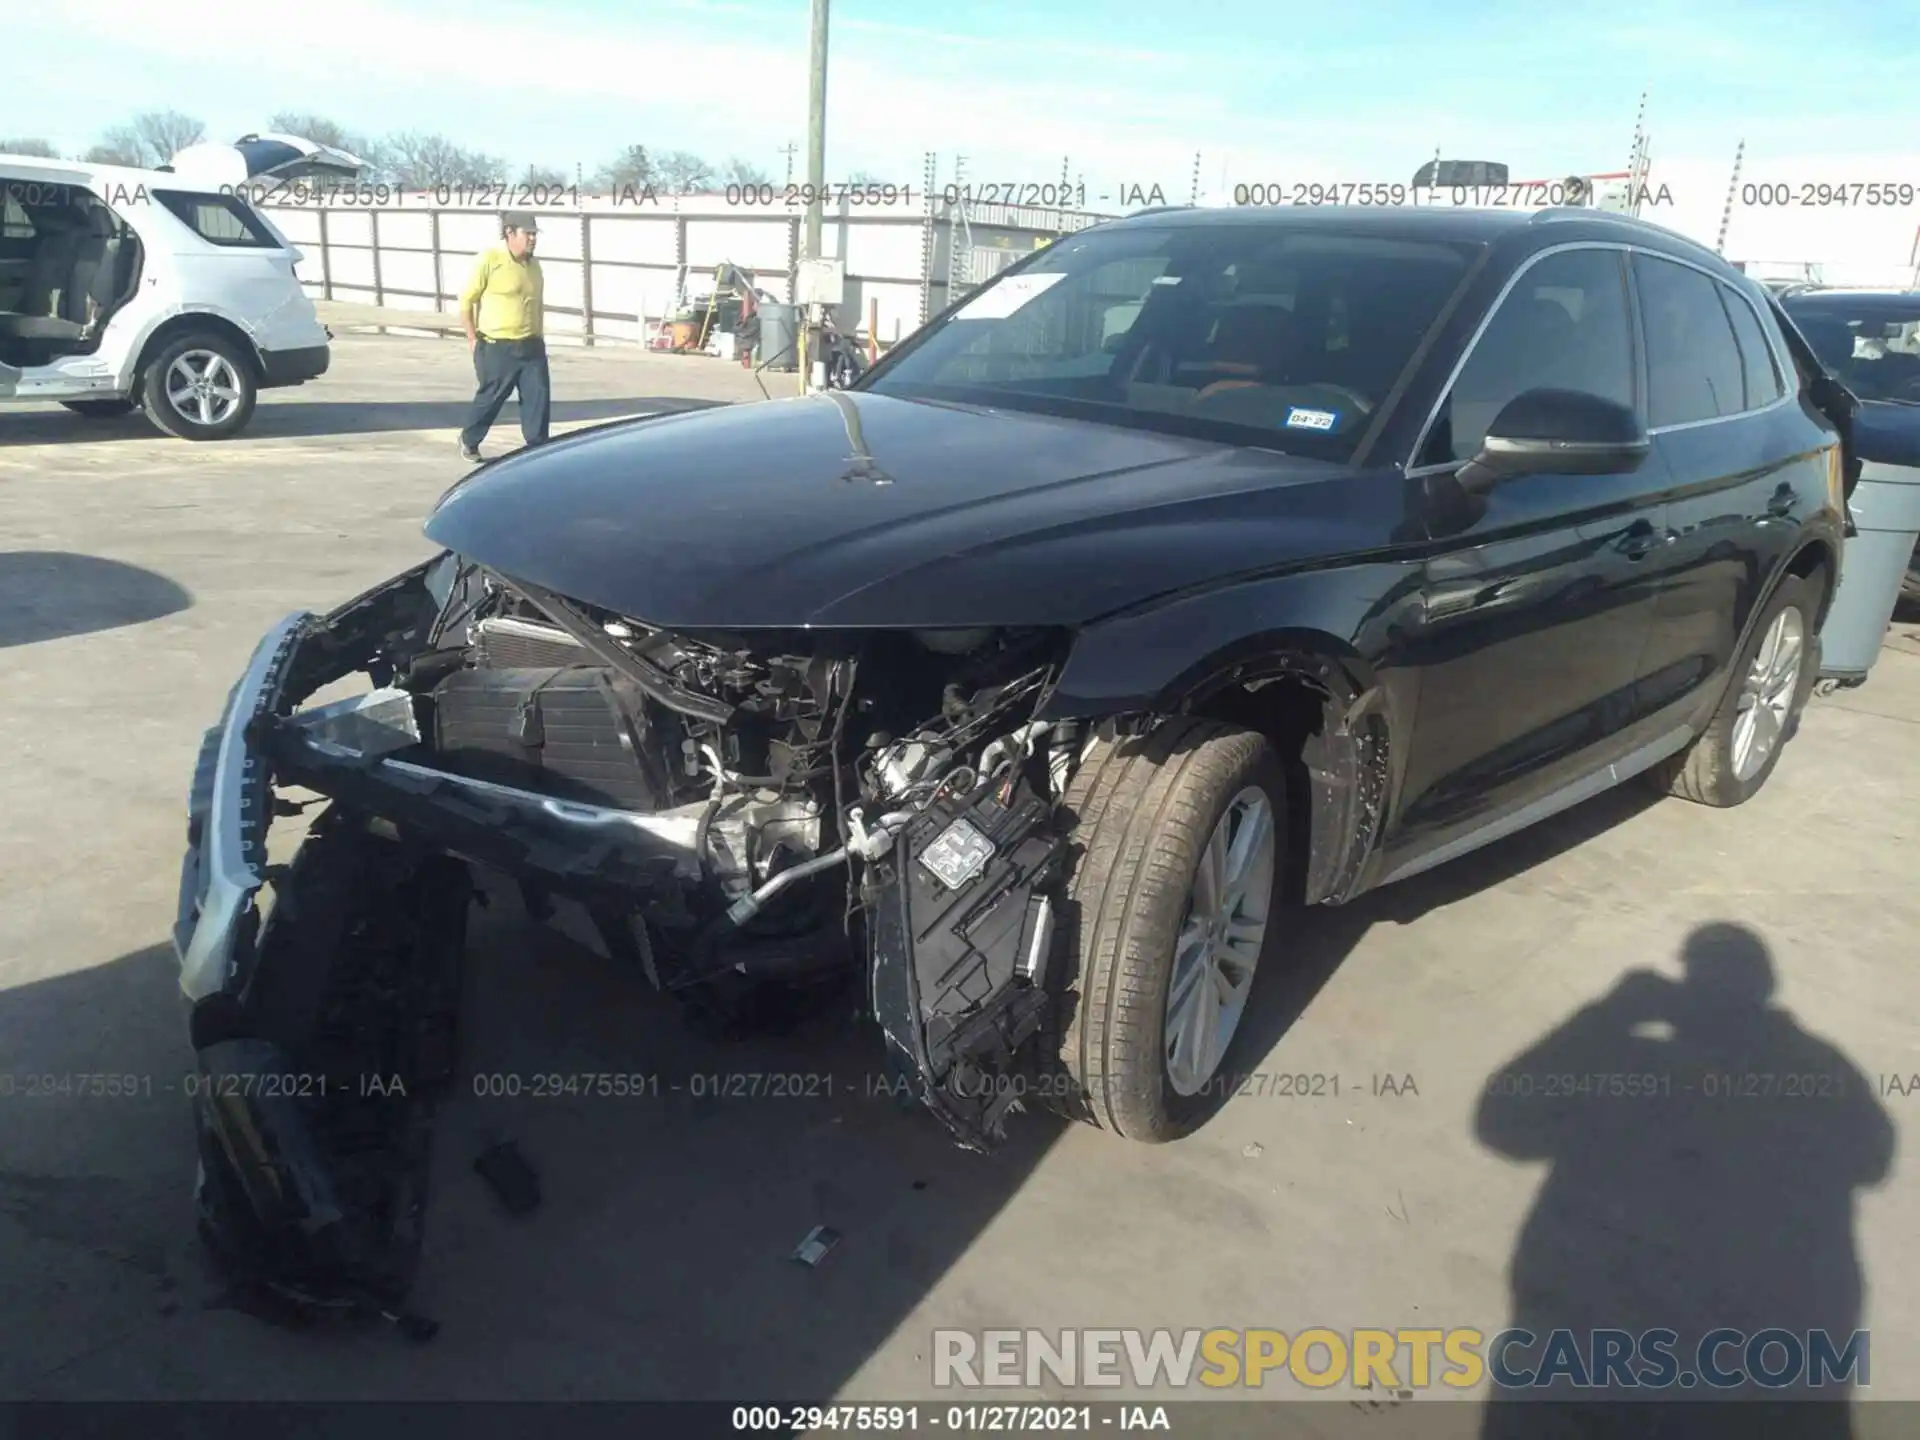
<point x="730" y="851"/>
<point x="228" y="811"/>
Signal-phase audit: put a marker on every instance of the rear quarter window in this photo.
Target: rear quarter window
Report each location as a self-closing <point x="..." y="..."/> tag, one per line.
<point x="223" y="220"/>
<point x="1763" y="383"/>
<point x="14" y="224"/>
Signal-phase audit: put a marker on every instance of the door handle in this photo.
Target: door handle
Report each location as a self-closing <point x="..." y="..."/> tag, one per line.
<point x="1639" y="540"/>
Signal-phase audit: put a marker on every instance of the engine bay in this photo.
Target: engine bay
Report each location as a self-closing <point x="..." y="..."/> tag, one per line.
<point x="729" y="810"/>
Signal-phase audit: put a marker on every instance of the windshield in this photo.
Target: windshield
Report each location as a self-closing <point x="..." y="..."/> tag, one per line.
<point x="1873" y="350"/>
<point x="1248" y="334"/>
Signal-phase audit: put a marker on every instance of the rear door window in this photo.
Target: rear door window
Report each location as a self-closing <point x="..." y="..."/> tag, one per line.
<point x="218" y="219"/>
<point x="1694" y="371"/>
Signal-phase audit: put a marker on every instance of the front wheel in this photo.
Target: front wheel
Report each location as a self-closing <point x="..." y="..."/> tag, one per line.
<point x="98" y="409"/>
<point x="1180" y="836"/>
<point x="200" y="387"/>
<point x="1773" y="677"/>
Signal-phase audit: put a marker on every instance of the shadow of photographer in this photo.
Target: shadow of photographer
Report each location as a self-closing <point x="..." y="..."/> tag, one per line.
<point x="1704" y="1154"/>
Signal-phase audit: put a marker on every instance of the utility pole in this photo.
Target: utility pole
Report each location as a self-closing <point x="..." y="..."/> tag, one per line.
<point x="1194" y="197"/>
<point x="789" y="150"/>
<point x="816" y="125"/>
<point x="811" y="327"/>
<point x="1733" y="189"/>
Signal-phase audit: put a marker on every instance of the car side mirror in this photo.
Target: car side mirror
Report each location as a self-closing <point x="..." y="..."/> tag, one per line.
<point x="1557" y="432"/>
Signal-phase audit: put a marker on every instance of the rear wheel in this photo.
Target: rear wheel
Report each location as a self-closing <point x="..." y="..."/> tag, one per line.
<point x="1735" y="754"/>
<point x="99" y="409"/>
<point x="1910" y="582"/>
<point x="200" y="387"/>
<point x="1180" y="835"/>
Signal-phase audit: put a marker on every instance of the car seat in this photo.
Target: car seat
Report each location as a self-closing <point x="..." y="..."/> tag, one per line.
<point x="1255" y="345"/>
<point x="49" y="291"/>
<point x="95" y="270"/>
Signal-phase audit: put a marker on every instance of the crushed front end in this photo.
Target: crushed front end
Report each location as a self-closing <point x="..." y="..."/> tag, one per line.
<point x="729" y="811"/>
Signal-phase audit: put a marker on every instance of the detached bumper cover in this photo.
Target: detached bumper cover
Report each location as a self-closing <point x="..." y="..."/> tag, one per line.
<point x="228" y="811"/>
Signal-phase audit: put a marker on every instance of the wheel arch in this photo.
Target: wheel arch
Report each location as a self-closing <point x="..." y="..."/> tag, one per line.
<point x="197" y="321"/>
<point x="1816" y="556"/>
<point x="1322" y="706"/>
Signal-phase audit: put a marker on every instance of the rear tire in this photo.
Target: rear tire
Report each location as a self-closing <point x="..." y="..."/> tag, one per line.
<point x="1145" y="811"/>
<point x="99" y="409"/>
<point x="179" y="403"/>
<point x="1910" y="582"/>
<point x="1721" y="767"/>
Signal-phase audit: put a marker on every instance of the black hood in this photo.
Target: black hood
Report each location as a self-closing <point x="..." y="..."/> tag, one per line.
<point x="868" y="510"/>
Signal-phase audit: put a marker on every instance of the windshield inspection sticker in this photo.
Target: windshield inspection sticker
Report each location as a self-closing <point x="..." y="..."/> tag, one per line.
<point x="1299" y="419"/>
<point x="1001" y="300"/>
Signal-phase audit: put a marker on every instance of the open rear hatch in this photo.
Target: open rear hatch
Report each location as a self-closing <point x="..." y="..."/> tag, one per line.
<point x="264" y="160"/>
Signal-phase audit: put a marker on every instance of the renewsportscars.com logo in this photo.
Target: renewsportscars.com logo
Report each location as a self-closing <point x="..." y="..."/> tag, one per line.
<point x="1398" y="1359"/>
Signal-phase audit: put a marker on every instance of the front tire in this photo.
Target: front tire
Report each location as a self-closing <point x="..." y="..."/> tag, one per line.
<point x="1180" y="836"/>
<point x="99" y="409"/>
<point x="1731" y="759"/>
<point x="200" y="387"/>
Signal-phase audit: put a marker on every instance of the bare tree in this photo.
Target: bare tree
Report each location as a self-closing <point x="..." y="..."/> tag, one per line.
<point x="41" y="149"/>
<point x="683" y="172"/>
<point x="543" y="177"/>
<point x="631" y="167"/>
<point x="423" y="161"/>
<point x="742" y="172"/>
<point x="162" y="134"/>
<point x="118" y="146"/>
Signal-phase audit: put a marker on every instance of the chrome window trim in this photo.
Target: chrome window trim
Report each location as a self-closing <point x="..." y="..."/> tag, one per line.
<point x="1631" y="248"/>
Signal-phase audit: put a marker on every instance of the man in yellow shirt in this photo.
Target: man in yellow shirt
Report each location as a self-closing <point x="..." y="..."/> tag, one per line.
<point x="501" y="307"/>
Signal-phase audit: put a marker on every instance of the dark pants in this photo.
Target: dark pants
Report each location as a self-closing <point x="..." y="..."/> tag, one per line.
<point x="502" y="367"/>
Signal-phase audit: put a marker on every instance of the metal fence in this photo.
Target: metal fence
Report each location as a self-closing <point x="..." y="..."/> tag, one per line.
<point x="614" y="272"/>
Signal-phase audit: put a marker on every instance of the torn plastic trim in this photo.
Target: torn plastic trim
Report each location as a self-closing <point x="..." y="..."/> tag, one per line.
<point x="1347" y="767"/>
<point x="378" y="630"/>
<point x="227" y="816"/>
<point x="1347" y="764"/>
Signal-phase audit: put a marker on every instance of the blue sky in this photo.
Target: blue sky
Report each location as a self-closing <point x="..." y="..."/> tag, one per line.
<point x="1126" y="91"/>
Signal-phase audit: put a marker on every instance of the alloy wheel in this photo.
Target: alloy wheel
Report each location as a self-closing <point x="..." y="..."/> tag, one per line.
<point x="1220" y="941"/>
<point x="202" y="386"/>
<point x="1766" y="694"/>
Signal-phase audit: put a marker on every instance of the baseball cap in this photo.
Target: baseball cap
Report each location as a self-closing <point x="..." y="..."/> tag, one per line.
<point x="519" y="220"/>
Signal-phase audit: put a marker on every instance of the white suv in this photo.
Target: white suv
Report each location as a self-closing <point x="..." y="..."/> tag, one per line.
<point x="159" y="288"/>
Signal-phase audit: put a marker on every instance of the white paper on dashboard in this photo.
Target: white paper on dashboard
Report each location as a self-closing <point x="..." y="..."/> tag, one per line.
<point x="1001" y="300"/>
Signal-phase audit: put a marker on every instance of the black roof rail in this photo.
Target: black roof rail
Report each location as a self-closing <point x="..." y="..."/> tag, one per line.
<point x="1582" y="212"/>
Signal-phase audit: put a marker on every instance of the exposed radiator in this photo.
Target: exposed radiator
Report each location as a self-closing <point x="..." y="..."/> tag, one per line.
<point x="508" y="644"/>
